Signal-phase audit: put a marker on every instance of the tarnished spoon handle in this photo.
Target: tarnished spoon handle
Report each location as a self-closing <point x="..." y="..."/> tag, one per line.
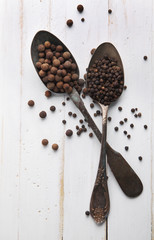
<point x="100" y="203"/>
<point x="128" y="180"/>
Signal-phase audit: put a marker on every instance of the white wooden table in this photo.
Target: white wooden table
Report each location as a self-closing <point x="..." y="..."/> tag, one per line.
<point x="44" y="194"/>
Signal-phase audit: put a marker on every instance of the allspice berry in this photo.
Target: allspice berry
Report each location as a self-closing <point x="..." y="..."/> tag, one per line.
<point x="67" y="79"/>
<point x="69" y="133"/>
<point x="75" y="76"/>
<point x="52" y="108"/>
<point x="53" y="70"/>
<point x="42" y="73"/>
<point x="45" y="66"/>
<point x="42" y="114"/>
<point x="59" y="48"/>
<point x="67" y="64"/>
<point x="92" y="51"/>
<point x="47" y="44"/>
<point x="41" y="48"/>
<point x="59" y="84"/>
<point x="38" y="65"/>
<point x="47" y="93"/>
<point x="55" y="146"/>
<point x="31" y="103"/>
<point x="66" y="55"/>
<point x="49" y="55"/>
<point x="51" y="77"/>
<point x="80" y="8"/>
<point x="69" y="22"/>
<point x="50" y="85"/>
<point x="56" y="63"/>
<point x="45" y="142"/>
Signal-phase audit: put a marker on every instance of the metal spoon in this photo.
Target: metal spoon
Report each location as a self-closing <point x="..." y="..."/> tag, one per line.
<point x="100" y="203"/>
<point x="128" y="180"/>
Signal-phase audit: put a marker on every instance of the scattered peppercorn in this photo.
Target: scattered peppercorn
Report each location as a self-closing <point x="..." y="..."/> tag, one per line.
<point x="126" y="148"/>
<point x="135" y="115"/>
<point x="116" y="129"/>
<point x="90" y="134"/>
<point x="77" y="127"/>
<point x="55" y="146"/>
<point x="109" y="11"/>
<point x="83" y="96"/>
<point x="63" y="103"/>
<point x="64" y="122"/>
<point x="74" y="115"/>
<point x="131" y="125"/>
<point x="145" y="126"/>
<point x="91" y="105"/>
<point x="133" y="110"/>
<point x="80" y="8"/>
<point x="81" y="82"/>
<point x="67" y="98"/>
<point x="42" y="114"/>
<point x="121" y="122"/>
<point x="87" y="213"/>
<point x="125" y="132"/>
<point x="120" y="109"/>
<point x="136" y="109"/>
<point x="125" y="119"/>
<point x="70" y="113"/>
<point x="69" y="22"/>
<point x="128" y="136"/>
<point x="82" y="19"/>
<point x="140" y="158"/>
<point x="145" y="58"/>
<point x="47" y="93"/>
<point x="95" y="114"/>
<point x="125" y="87"/>
<point x="69" y="133"/>
<point x="31" y="103"/>
<point x="139" y="114"/>
<point x="109" y="119"/>
<point x="52" y="108"/>
<point x="92" y="51"/>
<point x="45" y="142"/>
<point x="98" y="112"/>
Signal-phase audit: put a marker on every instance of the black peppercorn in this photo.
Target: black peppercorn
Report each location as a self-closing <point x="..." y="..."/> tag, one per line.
<point x="64" y="122"/>
<point x="126" y="148"/>
<point x="63" y="103"/>
<point x="109" y="11"/>
<point x="77" y="127"/>
<point x="116" y="129"/>
<point x="121" y="122"/>
<point x="91" y="105"/>
<point x="132" y="110"/>
<point x="74" y="115"/>
<point x="145" y="126"/>
<point x="135" y="115"/>
<point x="128" y="136"/>
<point x="67" y="98"/>
<point x="109" y="119"/>
<point x="131" y="125"/>
<point x="69" y="133"/>
<point x="125" y="87"/>
<point x="31" y="103"/>
<point x="145" y="58"/>
<point x="87" y="213"/>
<point x="80" y="8"/>
<point x="45" y="142"/>
<point x="125" y="119"/>
<point x="82" y="19"/>
<point x="139" y="114"/>
<point x="125" y="132"/>
<point x="120" y="109"/>
<point x="52" y="108"/>
<point x="42" y="114"/>
<point x="81" y="121"/>
<point x="69" y="22"/>
<point x="140" y="158"/>
<point x="70" y="113"/>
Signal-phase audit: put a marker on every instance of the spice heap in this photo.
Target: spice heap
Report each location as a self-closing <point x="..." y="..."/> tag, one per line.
<point x="57" y="68"/>
<point x="105" y="81"/>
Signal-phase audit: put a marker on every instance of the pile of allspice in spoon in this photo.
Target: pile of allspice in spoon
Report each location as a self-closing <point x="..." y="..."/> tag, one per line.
<point x="57" y="69"/>
<point x="105" y="80"/>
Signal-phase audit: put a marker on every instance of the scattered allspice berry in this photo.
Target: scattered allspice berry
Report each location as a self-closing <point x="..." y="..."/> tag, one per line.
<point x="31" y="103"/>
<point x="92" y="51"/>
<point x="145" y="126"/>
<point x="120" y="109"/>
<point x="126" y="148"/>
<point x="52" y="108"/>
<point x="81" y="121"/>
<point x="42" y="114"/>
<point x="139" y="114"/>
<point x="145" y="58"/>
<point x="131" y="125"/>
<point x="48" y="94"/>
<point x="45" y="142"/>
<point x="116" y="129"/>
<point x="55" y="146"/>
<point x="69" y="22"/>
<point x="69" y="133"/>
<point x="109" y="119"/>
<point x="109" y="11"/>
<point x="90" y="134"/>
<point x="140" y="158"/>
<point x="87" y="213"/>
<point x="80" y="8"/>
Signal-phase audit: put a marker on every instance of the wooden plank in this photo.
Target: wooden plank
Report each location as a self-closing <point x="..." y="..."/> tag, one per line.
<point x="130" y="31"/>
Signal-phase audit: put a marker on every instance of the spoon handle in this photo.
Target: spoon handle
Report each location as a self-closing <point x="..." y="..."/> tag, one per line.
<point x="100" y="203"/>
<point x="128" y="180"/>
